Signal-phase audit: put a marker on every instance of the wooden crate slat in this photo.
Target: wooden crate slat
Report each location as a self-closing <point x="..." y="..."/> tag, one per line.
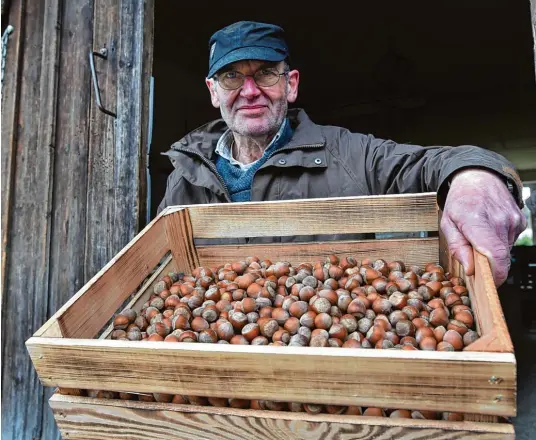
<point x="439" y="381"/>
<point x="344" y="215"/>
<point x="98" y="419"/>
<point x="410" y="250"/>
<point x="89" y="310"/>
<point x="488" y="310"/>
<point x="180" y="238"/>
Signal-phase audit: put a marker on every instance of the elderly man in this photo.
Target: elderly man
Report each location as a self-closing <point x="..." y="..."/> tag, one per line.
<point x="261" y="151"/>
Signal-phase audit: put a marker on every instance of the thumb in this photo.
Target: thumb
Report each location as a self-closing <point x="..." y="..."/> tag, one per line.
<point x="458" y="245"/>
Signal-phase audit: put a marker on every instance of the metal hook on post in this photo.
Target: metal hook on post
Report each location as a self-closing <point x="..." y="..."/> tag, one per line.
<point x="103" y="53"/>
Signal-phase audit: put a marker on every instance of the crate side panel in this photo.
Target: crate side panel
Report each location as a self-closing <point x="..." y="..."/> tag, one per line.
<point x="401" y="213"/>
<point x="91" y="308"/>
<point x="145" y="292"/>
<point x="82" y="418"/>
<point x="319" y="375"/>
<point x="411" y="251"/>
<point x="488" y="310"/>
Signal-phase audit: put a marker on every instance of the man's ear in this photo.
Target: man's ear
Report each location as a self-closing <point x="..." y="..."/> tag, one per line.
<point x="292" y="85"/>
<point x="211" y="84"/>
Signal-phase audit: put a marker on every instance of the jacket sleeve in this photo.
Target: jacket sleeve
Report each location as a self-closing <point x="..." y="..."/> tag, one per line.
<point x="392" y="168"/>
<point x="172" y="182"/>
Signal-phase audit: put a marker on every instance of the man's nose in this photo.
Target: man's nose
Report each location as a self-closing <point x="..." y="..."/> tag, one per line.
<point x="250" y="89"/>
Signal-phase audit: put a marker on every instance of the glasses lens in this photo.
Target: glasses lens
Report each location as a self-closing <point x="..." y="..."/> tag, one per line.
<point x="231" y="80"/>
<point x="266" y="77"/>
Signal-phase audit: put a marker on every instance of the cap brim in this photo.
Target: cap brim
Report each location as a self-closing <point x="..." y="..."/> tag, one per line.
<point x="247" y="53"/>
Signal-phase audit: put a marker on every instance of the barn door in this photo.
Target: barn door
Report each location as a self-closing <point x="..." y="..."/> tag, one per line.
<point x="122" y="46"/>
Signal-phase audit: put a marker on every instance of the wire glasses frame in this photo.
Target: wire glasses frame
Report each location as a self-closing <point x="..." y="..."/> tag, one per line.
<point x="233" y="80"/>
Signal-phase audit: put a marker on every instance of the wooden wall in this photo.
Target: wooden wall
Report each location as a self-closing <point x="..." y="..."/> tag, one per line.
<point x="72" y="177"/>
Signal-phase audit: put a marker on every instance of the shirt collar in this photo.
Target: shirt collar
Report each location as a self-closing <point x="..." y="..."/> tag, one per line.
<point x="223" y="147"/>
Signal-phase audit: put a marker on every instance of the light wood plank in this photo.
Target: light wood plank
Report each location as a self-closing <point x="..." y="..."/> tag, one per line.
<point x="342" y="215"/>
<point x="85" y="418"/>
<point x="489" y="315"/>
<point x="89" y="310"/>
<point x="180" y="239"/>
<point x="411" y="250"/>
<point x="145" y="291"/>
<point x="438" y="381"/>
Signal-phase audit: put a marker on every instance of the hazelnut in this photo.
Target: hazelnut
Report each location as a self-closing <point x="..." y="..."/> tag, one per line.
<point x="188" y="336"/>
<point x="121" y="322"/>
<point x="460" y="327"/>
<point x="374" y="412"/>
<point x="308" y="319"/>
<point x="178" y="399"/>
<point x="208" y="336"/>
<point x="428" y="343"/>
<point x="470" y="337"/>
<point x="454" y="338"/>
<point x="269" y="327"/>
<point x="313" y="408"/>
<point x="400" y="414"/>
<point x="338" y="331"/>
<point x="260" y="340"/>
<point x="439" y="317"/>
<point x="405" y="328"/>
<point x="239" y="403"/>
<point x="444" y="346"/>
<point x="239" y="340"/>
<point x="251" y="331"/>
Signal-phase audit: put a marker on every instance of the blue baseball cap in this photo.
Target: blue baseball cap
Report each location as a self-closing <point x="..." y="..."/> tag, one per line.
<point x="246" y="40"/>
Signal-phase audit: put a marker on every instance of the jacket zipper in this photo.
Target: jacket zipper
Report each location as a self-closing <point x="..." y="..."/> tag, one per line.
<point x="215" y="170"/>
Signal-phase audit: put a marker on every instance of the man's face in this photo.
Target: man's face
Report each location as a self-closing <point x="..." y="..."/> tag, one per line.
<point x="251" y="110"/>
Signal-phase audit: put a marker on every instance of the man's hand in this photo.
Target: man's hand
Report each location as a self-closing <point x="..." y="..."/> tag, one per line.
<point x="481" y="213"/>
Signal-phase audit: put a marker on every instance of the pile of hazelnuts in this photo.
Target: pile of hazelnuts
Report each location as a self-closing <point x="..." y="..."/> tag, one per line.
<point x="268" y="405"/>
<point x="332" y="303"/>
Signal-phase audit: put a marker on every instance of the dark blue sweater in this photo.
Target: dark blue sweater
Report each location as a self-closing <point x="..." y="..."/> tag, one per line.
<point x="239" y="181"/>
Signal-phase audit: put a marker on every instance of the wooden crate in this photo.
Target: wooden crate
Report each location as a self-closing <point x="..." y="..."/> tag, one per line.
<point x="479" y="380"/>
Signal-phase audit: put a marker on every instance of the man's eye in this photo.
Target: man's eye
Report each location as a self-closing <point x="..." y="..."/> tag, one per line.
<point x="266" y="72"/>
<point x="230" y="75"/>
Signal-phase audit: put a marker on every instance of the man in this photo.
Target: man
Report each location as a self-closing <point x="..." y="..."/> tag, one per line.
<point x="262" y="151"/>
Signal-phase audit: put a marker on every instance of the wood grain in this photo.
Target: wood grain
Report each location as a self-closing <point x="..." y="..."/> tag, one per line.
<point x="30" y="136"/>
<point x="10" y="109"/>
<point x="489" y="315"/>
<point x="343" y="215"/>
<point x="101" y="168"/>
<point x="323" y="375"/>
<point x="84" y="418"/>
<point x="180" y="239"/>
<point x="411" y="251"/>
<point x="89" y="310"/>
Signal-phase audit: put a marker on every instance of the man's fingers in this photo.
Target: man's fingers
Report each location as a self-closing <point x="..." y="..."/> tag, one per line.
<point x="458" y="245"/>
<point x="485" y="241"/>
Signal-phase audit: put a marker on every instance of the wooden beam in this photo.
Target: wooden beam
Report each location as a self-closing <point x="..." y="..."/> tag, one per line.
<point x="379" y="378"/>
<point x="99" y="419"/>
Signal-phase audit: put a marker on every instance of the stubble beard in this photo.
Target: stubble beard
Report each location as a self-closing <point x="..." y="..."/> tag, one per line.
<point x="270" y="126"/>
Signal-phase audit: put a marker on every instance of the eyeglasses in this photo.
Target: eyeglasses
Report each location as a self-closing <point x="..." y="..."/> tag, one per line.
<point x="233" y="80"/>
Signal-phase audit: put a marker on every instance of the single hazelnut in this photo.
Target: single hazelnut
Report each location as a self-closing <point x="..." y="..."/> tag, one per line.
<point x="428" y="343"/>
<point x="470" y="337"/>
<point x="454" y="338"/>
